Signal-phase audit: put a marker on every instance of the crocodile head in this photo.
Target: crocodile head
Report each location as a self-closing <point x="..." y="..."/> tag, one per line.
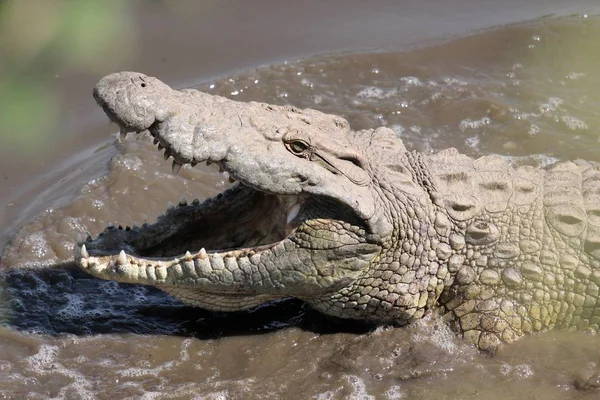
<point x="311" y="215"/>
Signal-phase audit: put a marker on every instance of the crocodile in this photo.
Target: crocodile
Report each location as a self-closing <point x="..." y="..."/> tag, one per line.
<point x="353" y="223"/>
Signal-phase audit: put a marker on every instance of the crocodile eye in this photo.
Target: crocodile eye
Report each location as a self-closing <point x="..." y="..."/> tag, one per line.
<point x="298" y="147"/>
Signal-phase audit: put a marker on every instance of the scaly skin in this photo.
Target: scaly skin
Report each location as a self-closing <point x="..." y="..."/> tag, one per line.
<point x="353" y="223"/>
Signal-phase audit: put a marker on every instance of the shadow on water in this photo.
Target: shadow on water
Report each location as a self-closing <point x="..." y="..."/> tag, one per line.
<point x="65" y="300"/>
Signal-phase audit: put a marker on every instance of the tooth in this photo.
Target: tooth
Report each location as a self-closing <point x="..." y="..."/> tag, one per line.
<point x="79" y="239"/>
<point x="155" y="141"/>
<point x="122" y="258"/>
<point x="84" y="252"/>
<point x="170" y="206"/>
<point x="188" y="256"/>
<point x="202" y="254"/>
<point x="122" y="135"/>
<point x="293" y="212"/>
<point x="110" y="226"/>
<point x="160" y="147"/>
<point x="182" y="202"/>
<point x="176" y="167"/>
<point x="167" y="154"/>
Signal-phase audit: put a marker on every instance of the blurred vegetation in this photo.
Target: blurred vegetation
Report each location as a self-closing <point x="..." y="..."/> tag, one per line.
<point x="39" y="41"/>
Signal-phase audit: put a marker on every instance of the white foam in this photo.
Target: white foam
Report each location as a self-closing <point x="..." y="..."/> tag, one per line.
<point x="395" y="393"/>
<point x="468" y="123"/>
<point x="574" y="123"/>
<point x="359" y="389"/>
<point x="373" y="92"/>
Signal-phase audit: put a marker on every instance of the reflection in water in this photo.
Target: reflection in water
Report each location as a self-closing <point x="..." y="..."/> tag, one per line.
<point x="527" y="92"/>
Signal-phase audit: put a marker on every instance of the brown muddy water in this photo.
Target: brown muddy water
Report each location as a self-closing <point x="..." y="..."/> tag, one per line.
<point x="527" y="91"/>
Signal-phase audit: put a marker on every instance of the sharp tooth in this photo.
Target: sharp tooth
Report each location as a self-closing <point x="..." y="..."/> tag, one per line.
<point x="188" y="256"/>
<point x="122" y="135"/>
<point x="176" y="167"/>
<point x="160" y="147"/>
<point x="170" y="206"/>
<point x="84" y="252"/>
<point x="167" y="154"/>
<point x="202" y="254"/>
<point x="155" y="141"/>
<point x="182" y="202"/>
<point x="122" y="258"/>
<point x="293" y="212"/>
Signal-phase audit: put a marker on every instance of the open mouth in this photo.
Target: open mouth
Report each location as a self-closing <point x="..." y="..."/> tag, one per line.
<point x="235" y="224"/>
<point x="267" y="237"/>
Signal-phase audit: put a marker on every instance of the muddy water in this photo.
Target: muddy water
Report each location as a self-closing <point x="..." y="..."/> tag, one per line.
<point x="530" y="92"/>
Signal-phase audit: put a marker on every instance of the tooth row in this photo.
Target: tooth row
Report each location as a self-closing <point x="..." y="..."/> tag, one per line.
<point x="122" y="257"/>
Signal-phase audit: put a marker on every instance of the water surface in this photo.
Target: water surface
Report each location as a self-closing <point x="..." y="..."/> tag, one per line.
<point x="529" y="92"/>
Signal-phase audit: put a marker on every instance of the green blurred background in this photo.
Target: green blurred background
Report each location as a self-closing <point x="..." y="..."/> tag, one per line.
<point x="39" y="41"/>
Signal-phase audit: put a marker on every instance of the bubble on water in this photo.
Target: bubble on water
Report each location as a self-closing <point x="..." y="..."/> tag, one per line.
<point x="551" y="105"/>
<point x="533" y="130"/>
<point x="330" y="395"/>
<point x="395" y="393"/>
<point x="110" y="288"/>
<point x="306" y="82"/>
<point x="130" y="162"/>
<point x="468" y="123"/>
<point x="575" y="75"/>
<point x="574" y="123"/>
<point x="473" y="142"/>
<point x="359" y="389"/>
<point x="411" y="81"/>
<point x="73" y="308"/>
<point x="455" y="82"/>
<point x="398" y="129"/>
<point x="222" y="395"/>
<point x="37" y="244"/>
<point x="524" y="371"/>
<point x="373" y="92"/>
